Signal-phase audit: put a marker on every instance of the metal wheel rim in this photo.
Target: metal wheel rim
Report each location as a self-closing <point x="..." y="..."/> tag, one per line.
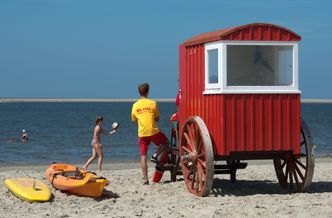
<point x="197" y="156"/>
<point x="295" y="172"/>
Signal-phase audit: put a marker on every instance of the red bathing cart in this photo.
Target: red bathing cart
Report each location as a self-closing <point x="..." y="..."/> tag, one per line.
<point x="240" y="100"/>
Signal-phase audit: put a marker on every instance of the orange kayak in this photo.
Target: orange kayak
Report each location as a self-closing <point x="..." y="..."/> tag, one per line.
<point x="74" y="180"/>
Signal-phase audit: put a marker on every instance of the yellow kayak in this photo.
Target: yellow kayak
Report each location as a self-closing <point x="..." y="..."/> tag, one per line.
<point x="28" y="189"/>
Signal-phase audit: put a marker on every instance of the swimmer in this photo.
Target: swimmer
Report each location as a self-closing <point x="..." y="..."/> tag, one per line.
<point x="25" y="137"/>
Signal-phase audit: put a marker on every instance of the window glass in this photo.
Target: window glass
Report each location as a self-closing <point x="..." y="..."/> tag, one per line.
<point x="259" y="65"/>
<point x="212" y="66"/>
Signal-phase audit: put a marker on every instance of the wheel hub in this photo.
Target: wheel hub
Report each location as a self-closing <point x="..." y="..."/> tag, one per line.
<point x="191" y="157"/>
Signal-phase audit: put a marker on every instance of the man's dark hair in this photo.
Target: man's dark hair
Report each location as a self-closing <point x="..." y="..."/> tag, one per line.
<point x="143" y="89"/>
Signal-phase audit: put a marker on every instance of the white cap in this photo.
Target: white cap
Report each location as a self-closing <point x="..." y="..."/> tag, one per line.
<point x="23" y="130"/>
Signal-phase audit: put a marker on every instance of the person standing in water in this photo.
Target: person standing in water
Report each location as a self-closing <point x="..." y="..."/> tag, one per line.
<point x="25" y="137"/>
<point x="97" y="148"/>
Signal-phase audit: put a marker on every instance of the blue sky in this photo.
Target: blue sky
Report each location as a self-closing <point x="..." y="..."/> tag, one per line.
<point x="103" y="49"/>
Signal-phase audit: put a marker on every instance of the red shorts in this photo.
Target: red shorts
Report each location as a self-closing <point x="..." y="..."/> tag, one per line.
<point x="157" y="139"/>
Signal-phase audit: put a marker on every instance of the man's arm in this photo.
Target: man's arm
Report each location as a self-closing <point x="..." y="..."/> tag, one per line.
<point x="133" y="116"/>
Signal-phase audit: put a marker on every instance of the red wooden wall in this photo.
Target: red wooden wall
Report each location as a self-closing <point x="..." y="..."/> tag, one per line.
<point x="237" y="122"/>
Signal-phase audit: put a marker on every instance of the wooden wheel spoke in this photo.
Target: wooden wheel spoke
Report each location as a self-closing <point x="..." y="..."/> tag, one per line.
<point x="191" y="134"/>
<point x="201" y="182"/>
<point x="283" y="165"/>
<point x="191" y="130"/>
<point x="186" y="149"/>
<point x="202" y="163"/>
<point x="301" y="164"/>
<point x="299" y="172"/>
<point x="191" y="169"/>
<point x="296" y="179"/>
<point x="201" y="155"/>
<point x="197" y="181"/>
<point x="186" y="170"/>
<point x="286" y="173"/>
<point x="199" y="144"/>
<point x="290" y="173"/>
<point x="185" y="163"/>
<point x="202" y="177"/>
<point x="197" y="137"/>
<point x="193" y="180"/>
<point x="189" y="142"/>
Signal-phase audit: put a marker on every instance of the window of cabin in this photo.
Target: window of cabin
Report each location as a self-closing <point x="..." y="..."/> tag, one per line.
<point x="251" y="67"/>
<point x="259" y="65"/>
<point x="212" y="67"/>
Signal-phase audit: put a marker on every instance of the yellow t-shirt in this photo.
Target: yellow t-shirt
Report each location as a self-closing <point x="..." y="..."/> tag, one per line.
<point x="145" y="112"/>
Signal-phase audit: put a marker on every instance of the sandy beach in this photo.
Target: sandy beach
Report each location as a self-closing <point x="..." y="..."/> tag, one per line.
<point x="255" y="194"/>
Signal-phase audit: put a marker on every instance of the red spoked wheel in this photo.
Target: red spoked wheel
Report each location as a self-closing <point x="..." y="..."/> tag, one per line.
<point x="295" y="172"/>
<point x="197" y="156"/>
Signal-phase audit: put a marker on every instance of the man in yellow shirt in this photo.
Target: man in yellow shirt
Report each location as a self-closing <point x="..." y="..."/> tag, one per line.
<point x="145" y="113"/>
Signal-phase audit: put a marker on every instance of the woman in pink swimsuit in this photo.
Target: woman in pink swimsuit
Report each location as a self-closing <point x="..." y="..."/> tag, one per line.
<point x="96" y="144"/>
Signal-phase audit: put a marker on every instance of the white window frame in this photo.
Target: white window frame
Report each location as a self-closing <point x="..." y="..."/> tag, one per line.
<point x="222" y="88"/>
<point x="212" y="86"/>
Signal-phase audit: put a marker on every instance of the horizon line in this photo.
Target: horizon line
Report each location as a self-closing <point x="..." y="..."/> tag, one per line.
<point x="83" y="100"/>
<point x="96" y="100"/>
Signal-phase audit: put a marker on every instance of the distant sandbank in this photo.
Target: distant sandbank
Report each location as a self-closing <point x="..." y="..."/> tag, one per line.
<point x="87" y="100"/>
<point x="20" y="100"/>
<point x="316" y="100"/>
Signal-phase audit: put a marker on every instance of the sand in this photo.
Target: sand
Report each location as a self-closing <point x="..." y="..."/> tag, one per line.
<point x="256" y="194"/>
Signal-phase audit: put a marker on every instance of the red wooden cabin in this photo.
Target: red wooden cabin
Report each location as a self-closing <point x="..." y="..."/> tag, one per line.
<point x="239" y="92"/>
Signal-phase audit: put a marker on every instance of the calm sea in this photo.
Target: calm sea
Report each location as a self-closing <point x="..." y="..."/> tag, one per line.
<point x="62" y="132"/>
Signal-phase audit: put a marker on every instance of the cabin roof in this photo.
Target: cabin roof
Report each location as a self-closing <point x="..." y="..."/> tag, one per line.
<point x="248" y="32"/>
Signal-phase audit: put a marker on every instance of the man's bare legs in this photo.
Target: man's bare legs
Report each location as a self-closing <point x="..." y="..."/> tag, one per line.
<point x="160" y="149"/>
<point x="144" y="167"/>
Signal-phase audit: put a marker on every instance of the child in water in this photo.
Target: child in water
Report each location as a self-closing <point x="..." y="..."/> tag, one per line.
<point x="96" y="144"/>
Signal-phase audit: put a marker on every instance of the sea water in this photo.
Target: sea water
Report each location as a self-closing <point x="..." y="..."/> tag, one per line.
<point x="62" y="132"/>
